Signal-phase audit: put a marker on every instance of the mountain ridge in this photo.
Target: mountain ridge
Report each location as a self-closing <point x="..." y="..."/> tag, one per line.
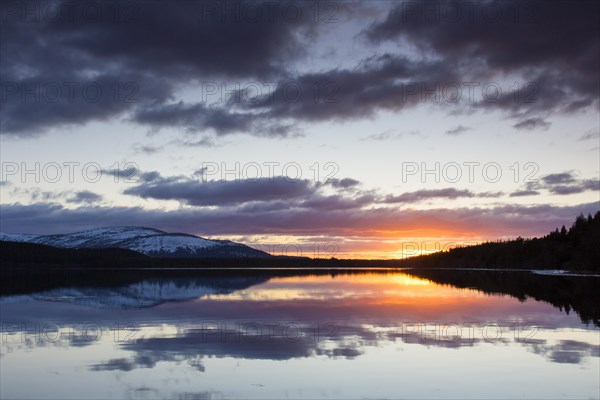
<point x="148" y="241"/>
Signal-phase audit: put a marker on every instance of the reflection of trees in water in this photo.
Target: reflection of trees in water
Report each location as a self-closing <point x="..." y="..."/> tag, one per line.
<point x="149" y="292"/>
<point x="26" y="281"/>
<point x="577" y="293"/>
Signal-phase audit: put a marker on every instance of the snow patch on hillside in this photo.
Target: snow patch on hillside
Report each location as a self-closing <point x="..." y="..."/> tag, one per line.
<point x="149" y="241"/>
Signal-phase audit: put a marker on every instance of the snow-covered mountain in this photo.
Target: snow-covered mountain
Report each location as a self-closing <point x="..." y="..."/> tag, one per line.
<point x="149" y="241"/>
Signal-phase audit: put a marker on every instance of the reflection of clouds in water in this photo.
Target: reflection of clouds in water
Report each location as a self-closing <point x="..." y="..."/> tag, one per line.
<point x="193" y="345"/>
<point x="362" y="320"/>
<point x="363" y="297"/>
<point x="347" y="341"/>
<point x="364" y="310"/>
<point x="150" y="393"/>
<point x="200" y="396"/>
<point x="565" y="351"/>
<point x="146" y="360"/>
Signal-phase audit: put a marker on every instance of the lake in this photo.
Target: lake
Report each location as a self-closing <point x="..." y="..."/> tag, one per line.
<point x="306" y="335"/>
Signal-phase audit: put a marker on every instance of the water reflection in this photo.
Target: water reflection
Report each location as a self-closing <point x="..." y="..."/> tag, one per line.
<point x="304" y="336"/>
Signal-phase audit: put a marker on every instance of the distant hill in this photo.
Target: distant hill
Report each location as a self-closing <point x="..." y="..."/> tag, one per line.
<point x="576" y="249"/>
<point x="148" y="241"/>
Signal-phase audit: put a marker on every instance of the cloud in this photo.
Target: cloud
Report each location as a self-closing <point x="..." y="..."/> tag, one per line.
<point x="563" y="183"/>
<point x="129" y="172"/>
<point x="561" y="178"/>
<point x="533" y="45"/>
<point x="429" y="194"/>
<point x="593" y="133"/>
<point x="205" y="141"/>
<point x="146" y="149"/>
<point x="458" y="130"/>
<point x="533" y="123"/>
<point x="279" y="218"/>
<point x="522" y="193"/>
<point x="141" y="67"/>
<point x="378" y="83"/>
<point x="386" y="82"/>
<point x="345" y="183"/>
<point x="85" y="196"/>
<point x="567" y="351"/>
<point x="530" y="34"/>
<point x="111" y="67"/>
<point x="35" y="194"/>
<point x="117" y="364"/>
<point x="221" y="193"/>
<point x="390" y="134"/>
<point x="253" y="194"/>
<point x="579" y="187"/>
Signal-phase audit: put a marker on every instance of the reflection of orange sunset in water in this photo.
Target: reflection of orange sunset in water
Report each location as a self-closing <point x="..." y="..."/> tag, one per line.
<point x="390" y="296"/>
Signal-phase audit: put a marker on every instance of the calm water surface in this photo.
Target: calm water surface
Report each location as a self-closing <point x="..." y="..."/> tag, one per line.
<point x="368" y="335"/>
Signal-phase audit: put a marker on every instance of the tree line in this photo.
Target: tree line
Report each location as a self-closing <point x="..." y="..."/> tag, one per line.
<point x="576" y="248"/>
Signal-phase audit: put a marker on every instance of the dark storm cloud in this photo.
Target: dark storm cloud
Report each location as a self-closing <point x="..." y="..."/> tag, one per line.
<point x="538" y="40"/>
<point x="190" y="38"/>
<point x="145" y="49"/>
<point x="506" y="35"/>
<point x="215" y="193"/>
<point x="563" y="183"/>
<point x="194" y="117"/>
<point x="49" y="99"/>
<point x="200" y="117"/>
<point x="141" y="60"/>
<point x="392" y="82"/>
<point x="386" y="82"/>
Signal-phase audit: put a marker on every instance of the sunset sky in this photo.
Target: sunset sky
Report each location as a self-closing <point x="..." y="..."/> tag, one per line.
<point x="372" y="129"/>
